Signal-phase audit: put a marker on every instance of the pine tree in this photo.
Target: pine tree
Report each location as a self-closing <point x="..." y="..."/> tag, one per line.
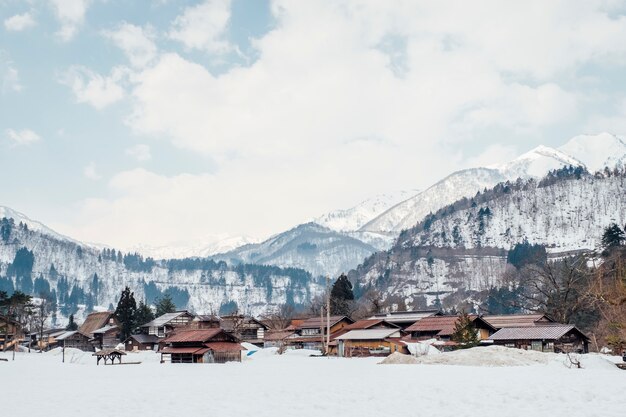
<point x="164" y="305"/>
<point x="71" y="325"/>
<point x="341" y="297"/>
<point x="125" y="313"/>
<point x="144" y="314"/>
<point x="613" y="236"/>
<point x="464" y="332"/>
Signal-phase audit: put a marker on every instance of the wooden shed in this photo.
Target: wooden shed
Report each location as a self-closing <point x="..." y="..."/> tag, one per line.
<point x="245" y="328"/>
<point x="106" y="337"/>
<point x="442" y="328"/>
<point x="201" y="346"/>
<point x="141" y="341"/>
<point x="165" y="324"/>
<point x="543" y="338"/>
<point x="380" y="341"/>
<point x="311" y="332"/>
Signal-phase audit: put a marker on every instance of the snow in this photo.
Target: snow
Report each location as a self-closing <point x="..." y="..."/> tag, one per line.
<point x="296" y="384"/>
<point x="211" y="245"/>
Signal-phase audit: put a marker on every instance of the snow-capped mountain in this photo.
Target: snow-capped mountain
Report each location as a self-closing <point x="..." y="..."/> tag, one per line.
<point x="352" y="219"/>
<point x="461" y="250"/>
<point x="203" y="249"/>
<point x="309" y="246"/>
<point x="36" y="259"/>
<point x="593" y="152"/>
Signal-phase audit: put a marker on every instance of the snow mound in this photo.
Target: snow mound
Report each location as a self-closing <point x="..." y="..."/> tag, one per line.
<point x="488" y="356"/>
<point x="398" y="358"/>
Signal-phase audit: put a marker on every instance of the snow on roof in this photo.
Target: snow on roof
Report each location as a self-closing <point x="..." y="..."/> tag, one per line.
<point x="66" y="335"/>
<point x="405" y="316"/>
<point x="105" y="328"/>
<point x="369" y="334"/>
<point x="315" y="322"/>
<point x="144" y="338"/>
<point x="164" y="319"/>
<point x="534" y="332"/>
<point x="515" y="320"/>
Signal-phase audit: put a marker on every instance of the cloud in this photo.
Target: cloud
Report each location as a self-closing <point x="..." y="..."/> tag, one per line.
<point x="94" y="89"/>
<point x="203" y="26"/>
<point x="139" y="152"/>
<point x="346" y="100"/>
<point x="91" y="173"/>
<point x="71" y="16"/>
<point x="22" y="137"/>
<point x="10" y="77"/>
<point x="136" y="42"/>
<point x="19" y="22"/>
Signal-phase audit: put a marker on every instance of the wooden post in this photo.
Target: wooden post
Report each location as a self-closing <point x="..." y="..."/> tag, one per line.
<point x="63" y="351"/>
<point x="327" y="314"/>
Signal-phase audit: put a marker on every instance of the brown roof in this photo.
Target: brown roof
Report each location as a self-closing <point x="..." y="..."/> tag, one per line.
<point x="546" y="332"/>
<point x="443" y="325"/>
<point x="368" y="323"/>
<point x="179" y="350"/>
<point x="277" y="334"/>
<point x="201" y="335"/>
<point x="224" y="346"/>
<point x="516" y="320"/>
<point x="95" y="321"/>
<point x="316" y="323"/>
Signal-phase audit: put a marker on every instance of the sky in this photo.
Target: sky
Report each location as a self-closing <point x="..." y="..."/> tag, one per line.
<point x="153" y="122"/>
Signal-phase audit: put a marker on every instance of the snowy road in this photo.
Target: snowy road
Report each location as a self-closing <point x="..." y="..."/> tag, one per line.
<point x="292" y="385"/>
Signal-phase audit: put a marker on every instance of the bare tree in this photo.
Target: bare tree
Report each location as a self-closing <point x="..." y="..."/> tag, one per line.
<point x="281" y="318"/>
<point x="42" y="312"/>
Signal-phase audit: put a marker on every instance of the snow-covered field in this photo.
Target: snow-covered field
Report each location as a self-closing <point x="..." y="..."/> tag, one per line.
<point x="296" y="385"/>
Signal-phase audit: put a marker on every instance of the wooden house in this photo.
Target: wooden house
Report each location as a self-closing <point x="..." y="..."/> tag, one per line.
<point x="312" y="333"/>
<point x="442" y="328"/>
<point x="141" y="341"/>
<point x="517" y="320"/>
<point x="277" y="338"/>
<point x="245" y="328"/>
<point x="10" y="332"/>
<point x="201" y="346"/>
<point x="75" y="339"/>
<point x="165" y="324"/>
<point x="550" y="337"/>
<point x="380" y="341"/>
<point x="204" y="322"/>
<point x="404" y="319"/>
<point x="106" y="337"/>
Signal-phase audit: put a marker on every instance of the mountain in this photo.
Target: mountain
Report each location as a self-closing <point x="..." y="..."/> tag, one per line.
<point x="593" y="152"/>
<point x="460" y="250"/>
<point x="203" y="249"/>
<point x="309" y="246"/>
<point x="35" y="259"/>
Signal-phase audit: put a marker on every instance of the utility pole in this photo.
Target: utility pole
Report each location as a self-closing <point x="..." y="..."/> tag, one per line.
<point x="327" y="313"/>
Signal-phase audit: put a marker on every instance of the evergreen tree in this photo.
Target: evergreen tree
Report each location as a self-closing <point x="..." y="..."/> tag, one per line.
<point x="613" y="236"/>
<point x="126" y="312"/>
<point x="144" y="314"/>
<point x="71" y="325"/>
<point x="465" y="333"/>
<point x="165" y="305"/>
<point x="341" y="297"/>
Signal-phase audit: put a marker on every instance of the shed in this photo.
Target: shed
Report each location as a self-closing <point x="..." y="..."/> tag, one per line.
<point x="442" y="327"/>
<point x="141" y="341"/>
<point x="166" y="323"/>
<point x="106" y="337"/>
<point x="517" y="320"/>
<point x="371" y="342"/>
<point x="543" y="338"/>
<point x="201" y="346"/>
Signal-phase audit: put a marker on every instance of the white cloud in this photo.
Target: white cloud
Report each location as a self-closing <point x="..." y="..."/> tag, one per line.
<point x="332" y="111"/>
<point x="10" y="78"/>
<point x="71" y="16"/>
<point x="90" y="172"/>
<point x="97" y="90"/>
<point x="136" y="42"/>
<point x="139" y="152"/>
<point x="203" y="26"/>
<point x="22" y="137"/>
<point x="19" y="22"/>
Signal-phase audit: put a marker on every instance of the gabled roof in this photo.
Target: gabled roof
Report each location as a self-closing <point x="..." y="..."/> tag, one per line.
<point x="69" y="334"/>
<point x="166" y="318"/>
<point x="316" y="323"/>
<point x="194" y="336"/>
<point x="516" y="320"/>
<point x="546" y="332"/>
<point x="369" y="323"/>
<point x="406" y="316"/>
<point x="278" y="334"/>
<point x="370" y="334"/>
<point x="95" y="321"/>
<point x="228" y="322"/>
<point x="105" y="329"/>
<point x="143" y="338"/>
<point x="443" y="325"/>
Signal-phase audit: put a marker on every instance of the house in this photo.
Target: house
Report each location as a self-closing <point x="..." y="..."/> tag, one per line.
<point x="313" y="332"/>
<point x="380" y="341"/>
<point x="247" y="329"/>
<point x="277" y="338"/>
<point x="10" y="332"/>
<point x="141" y="341"/>
<point x="549" y="337"/>
<point x="204" y="322"/>
<point x="106" y="337"/>
<point x="517" y="320"/>
<point x="101" y="322"/>
<point x="201" y="346"/>
<point x="404" y="319"/>
<point x="75" y="339"/>
<point x="442" y="328"/>
<point x="165" y="324"/>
